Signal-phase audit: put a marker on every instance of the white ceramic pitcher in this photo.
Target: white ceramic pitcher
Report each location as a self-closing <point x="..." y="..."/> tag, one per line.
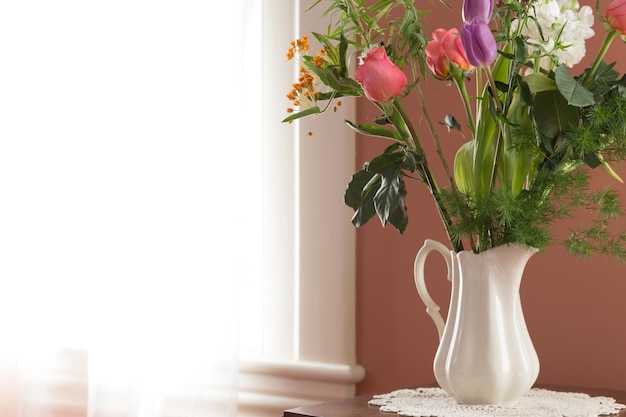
<point x="485" y="353"/>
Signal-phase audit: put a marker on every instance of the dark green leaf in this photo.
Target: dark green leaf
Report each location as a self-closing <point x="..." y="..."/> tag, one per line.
<point x="385" y="162"/>
<point x="343" y="47"/>
<point x="525" y="94"/>
<point x="507" y="55"/>
<point x="387" y="197"/>
<point x="360" y="196"/>
<point x="410" y="161"/>
<point x="521" y="50"/>
<point x="622" y="81"/>
<point x="552" y="114"/>
<point x="592" y="160"/>
<point x="547" y="142"/>
<point x="399" y="218"/>
<point x="575" y="93"/>
<point x="382" y="120"/>
<point x="504" y="87"/>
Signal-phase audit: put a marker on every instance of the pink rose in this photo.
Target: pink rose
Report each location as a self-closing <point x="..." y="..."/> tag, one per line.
<point x="445" y="47"/>
<point x="616" y="14"/>
<point x="380" y="78"/>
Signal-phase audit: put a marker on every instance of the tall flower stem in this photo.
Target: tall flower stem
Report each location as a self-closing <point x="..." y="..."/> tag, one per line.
<point x="479" y="87"/>
<point x="427" y="176"/>
<point x="610" y="35"/>
<point x="413" y="139"/>
<point x="459" y="80"/>
<point x="442" y="157"/>
<point x="496" y="98"/>
<point x="494" y="90"/>
<point x="435" y="137"/>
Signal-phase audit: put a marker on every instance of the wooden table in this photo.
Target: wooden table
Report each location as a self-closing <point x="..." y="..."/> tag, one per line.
<point x="358" y="407"/>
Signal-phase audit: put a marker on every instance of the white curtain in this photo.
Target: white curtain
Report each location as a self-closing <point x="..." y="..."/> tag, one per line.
<point x="123" y="206"/>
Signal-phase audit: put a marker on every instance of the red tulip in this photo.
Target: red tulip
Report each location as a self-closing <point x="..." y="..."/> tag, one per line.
<point x="380" y="78"/>
<point x="616" y="15"/>
<point x="445" y="47"/>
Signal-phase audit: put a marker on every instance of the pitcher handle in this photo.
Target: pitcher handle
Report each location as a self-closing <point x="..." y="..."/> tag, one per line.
<point x="420" y="260"/>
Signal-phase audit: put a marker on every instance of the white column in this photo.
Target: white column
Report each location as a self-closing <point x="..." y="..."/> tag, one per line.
<point x="309" y="297"/>
<point x="279" y="198"/>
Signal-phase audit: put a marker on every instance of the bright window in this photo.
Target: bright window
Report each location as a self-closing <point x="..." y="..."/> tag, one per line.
<point x="129" y="147"/>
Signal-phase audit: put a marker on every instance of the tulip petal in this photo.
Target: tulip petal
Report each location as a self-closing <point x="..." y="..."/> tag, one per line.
<point x="482" y="9"/>
<point x="445" y="47"/>
<point x="453" y="48"/>
<point x="479" y="44"/>
<point x="436" y="60"/>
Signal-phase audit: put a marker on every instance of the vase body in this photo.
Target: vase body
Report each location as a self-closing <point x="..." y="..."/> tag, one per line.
<point x="485" y="353"/>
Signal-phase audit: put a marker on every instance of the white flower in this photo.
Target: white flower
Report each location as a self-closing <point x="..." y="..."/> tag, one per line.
<point x="559" y="27"/>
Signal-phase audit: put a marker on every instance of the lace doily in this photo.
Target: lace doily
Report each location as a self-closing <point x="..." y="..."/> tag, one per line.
<point x="427" y="402"/>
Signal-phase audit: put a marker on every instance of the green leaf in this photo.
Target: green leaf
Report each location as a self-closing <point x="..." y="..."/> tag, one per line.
<point x="521" y="50"/>
<point x="410" y="160"/>
<point x="526" y="96"/>
<point x="379" y="188"/>
<point x="399" y="218"/>
<point x="375" y="130"/>
<point x="386" y="161"/>
<point x="332" y="77"/>
<point x="552" y="114"/>
<point x="501" y="86"/>
<point x="575" y="93"/>
<point x="387" y="197"/>
<point x="360" y="196"/>
<point x="343" y="47"/>
<point x="538" y="82"/>
<point x="592" y="160"/>
<point x="307" y="112"/>
<point x="605" y="79"/>
<point x="611" y="172"/>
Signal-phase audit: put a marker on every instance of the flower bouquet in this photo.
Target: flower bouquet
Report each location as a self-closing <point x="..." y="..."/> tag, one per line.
<point x="531" y="131"/>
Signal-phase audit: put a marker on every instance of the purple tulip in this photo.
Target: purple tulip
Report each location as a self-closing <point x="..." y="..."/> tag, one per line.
<point x="479" y="43"/>
<point x="483" y="9"/>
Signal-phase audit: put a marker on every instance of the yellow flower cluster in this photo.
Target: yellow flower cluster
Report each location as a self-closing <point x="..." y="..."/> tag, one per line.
<point x="302" y="89"/>
<point x="299" y="46"/>
<point x="303" y="92"/>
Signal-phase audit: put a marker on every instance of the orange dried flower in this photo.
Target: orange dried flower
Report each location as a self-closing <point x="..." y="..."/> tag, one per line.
<point x="318" y="59"/>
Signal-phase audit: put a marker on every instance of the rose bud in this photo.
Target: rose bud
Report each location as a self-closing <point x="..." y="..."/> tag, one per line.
<point x="616" y="15"/>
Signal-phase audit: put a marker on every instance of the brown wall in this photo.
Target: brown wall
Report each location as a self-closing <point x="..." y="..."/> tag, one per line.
<point x="575" y="309"/>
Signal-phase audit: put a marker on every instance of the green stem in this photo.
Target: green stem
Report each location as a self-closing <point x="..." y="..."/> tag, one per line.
<point x="457" y="245"/>
<point x="426" y="174"/>
<point x="414" y="141"/>
<point x="494" y="90"/>
<point x="496" y="98"/>
<point x="610" y="36"/>
<point x="479" y="87"/>
<point x="435" y="137"/>
<point x="442" y="158"/>
<point x="459" y="80"/>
